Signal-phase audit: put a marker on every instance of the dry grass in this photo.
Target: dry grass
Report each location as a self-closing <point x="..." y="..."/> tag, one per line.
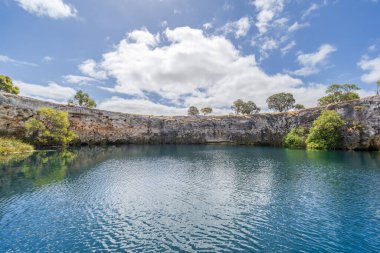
<point x="13" y="146"/>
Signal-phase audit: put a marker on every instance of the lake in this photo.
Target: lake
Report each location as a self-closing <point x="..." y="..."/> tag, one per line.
<point x="190" y="199"/>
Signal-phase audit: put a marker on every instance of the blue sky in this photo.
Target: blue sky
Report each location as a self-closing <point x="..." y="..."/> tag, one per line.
<point x="161" y="56"/>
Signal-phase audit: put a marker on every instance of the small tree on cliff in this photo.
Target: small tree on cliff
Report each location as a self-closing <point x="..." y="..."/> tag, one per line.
<point x="206" y="110"/>
<point x="281" y="102"/>
<point x="299" y="107"/>
<point x="378" y="88"/>
<point x="6" y="85"/>
<point x="82" y="99"/>
<point x="50" y="128"/>
<point x="249" y="108"/>
<point x="338" y="93"/>
<point x="238" y="106"/>
<point x="193" y="111"/>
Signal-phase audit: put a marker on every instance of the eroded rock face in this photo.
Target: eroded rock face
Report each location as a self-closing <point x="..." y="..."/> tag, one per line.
<point x="97" y="126"/>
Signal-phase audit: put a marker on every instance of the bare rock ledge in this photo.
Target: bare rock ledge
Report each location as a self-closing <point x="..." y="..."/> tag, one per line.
<point x="96" y="126"/>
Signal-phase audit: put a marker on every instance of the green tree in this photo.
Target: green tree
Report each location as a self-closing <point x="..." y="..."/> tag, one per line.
<point x="6" y="85"/>
<point x="193" y="111"/>
<point x="378" y="88"/>
<point x="249" y="108"/>
<point x="82" y="99"/>
<point x="206" y="110"/>
<point x="50" y="128"/>
<point x="326" y="131"/>
<point x="238" y="106"/>
<point x="296" y="138"/>
<point x="299" y="107"/>
<point x="281" y="102"/>
<point x="338" y="93"/>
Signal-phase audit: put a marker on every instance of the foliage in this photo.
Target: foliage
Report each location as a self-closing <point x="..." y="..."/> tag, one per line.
<point x="50" y="128"/>
<point x="281" y="102"/>
<point x="6" y="85"/>
<point x="378" y="88"/>
<point x="296" y="138"/>
<point x="82" y="99"/>
<point x="326" y="131"/>
<point x="339" y="93"/>
<point x="206" y="110"/>
<point x="241" y="107"/>
<point x="11" y="145"/>
<point x="193" y="111"/>
<point x="299" y="107"/>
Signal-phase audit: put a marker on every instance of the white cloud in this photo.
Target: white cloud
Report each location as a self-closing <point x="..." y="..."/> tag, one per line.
<point x="56" y="9"/>
<point x="288" y="47"/>
<point x="7" y="59"/>
<point x="47" y="59"/>
<point x="313" y="7"/>
<point x="239" y="28"/>
<point x="52" y="92"/>
<point x="139" y="106"/>
<point x="192" y="68"/>
<point x="267" y="11"/>
<point x="90" y="68"/>
<point x="312" y="62"/>
<point x="296" y="26"/>
<point x="372" y="69"/>
<point x="81" y="80"/>
<point x="208" y="26"/>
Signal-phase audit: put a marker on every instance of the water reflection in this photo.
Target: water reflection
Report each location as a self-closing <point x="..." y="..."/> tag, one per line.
<point x="190" y="198"/>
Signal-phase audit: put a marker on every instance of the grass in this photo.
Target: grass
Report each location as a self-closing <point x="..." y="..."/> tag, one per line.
<point x="13" y="146"/>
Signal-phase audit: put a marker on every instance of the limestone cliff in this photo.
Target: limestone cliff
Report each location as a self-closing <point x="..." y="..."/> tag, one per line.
<point x="97" y="126"/>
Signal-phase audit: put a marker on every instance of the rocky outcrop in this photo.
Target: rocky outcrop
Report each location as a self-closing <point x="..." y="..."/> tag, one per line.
<point x="97" y="126"/>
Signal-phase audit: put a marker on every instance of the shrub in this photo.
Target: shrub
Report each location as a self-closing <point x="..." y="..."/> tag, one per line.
<point x="326" y="131"/>
<point x="50" y="128"/>
<point x="296" y="138"/>
<point x="6" y="85"/>
<point x="82" y="99"/>
<point x="11" y="145"/>
<point x="206" y="110"/>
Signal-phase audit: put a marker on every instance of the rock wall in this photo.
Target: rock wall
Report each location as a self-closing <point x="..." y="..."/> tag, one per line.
<point x="96" y="126"/>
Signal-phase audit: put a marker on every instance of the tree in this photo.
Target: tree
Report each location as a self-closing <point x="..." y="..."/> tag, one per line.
<point x="238" y="106"/>
<point x="193" y="111"/>
<point x="296" y="138"/>
<point x="82" y="99"/>
<point x="6" y="85"/>
<point x="249" y="108"/>
<point x="378" y="88"/>
<point x="206" y="110"/>
<point x="299" y="107"/>
<point x="50" y="128"/>
<point x="338" y="93"/>
<point x="281" y="102"/>
<point x="326" y="131"/>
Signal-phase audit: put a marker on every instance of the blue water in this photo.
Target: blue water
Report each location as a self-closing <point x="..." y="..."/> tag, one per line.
<point x="190" y="199"/>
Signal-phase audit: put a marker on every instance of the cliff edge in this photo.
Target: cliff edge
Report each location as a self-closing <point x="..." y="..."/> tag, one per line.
<point x="96" y="126"/>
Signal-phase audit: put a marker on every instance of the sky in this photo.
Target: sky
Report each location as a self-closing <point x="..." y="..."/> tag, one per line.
<point x="159" y="57"/>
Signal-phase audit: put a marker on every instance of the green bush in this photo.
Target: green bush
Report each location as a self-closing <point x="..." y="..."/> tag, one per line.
<point x="11" y="145"/>
<point x="326" y="131"/>
<point x="6" y="85"/>
<point x="296" y="139"/>
<point x="50" y="128"/>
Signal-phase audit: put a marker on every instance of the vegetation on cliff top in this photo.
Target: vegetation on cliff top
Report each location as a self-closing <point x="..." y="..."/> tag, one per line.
<point x="6" y="85"/>
<point x="12" y="146"/>
<point x="82" y="99"/>
<point x="50" y="128"/>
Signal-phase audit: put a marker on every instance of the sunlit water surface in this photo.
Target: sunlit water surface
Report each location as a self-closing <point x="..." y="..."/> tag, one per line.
<point x="190" y="198"/>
